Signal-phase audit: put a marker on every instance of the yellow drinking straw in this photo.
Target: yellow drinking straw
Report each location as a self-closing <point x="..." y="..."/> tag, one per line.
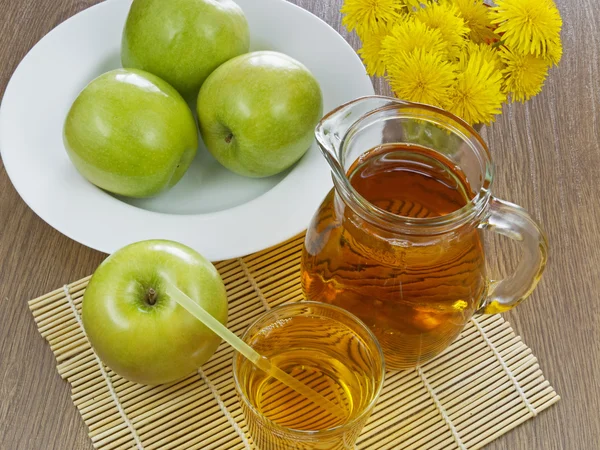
<point x="258" y="360"/>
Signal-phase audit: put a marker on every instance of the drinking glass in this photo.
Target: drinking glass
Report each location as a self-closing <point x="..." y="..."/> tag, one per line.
<point x="324" y="347"/>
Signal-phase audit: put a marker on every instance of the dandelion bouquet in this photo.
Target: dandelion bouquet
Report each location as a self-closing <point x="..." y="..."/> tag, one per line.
<point x="465" y="56"/>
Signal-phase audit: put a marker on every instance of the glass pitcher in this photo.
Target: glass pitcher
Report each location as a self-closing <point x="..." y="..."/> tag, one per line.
<point x="399" y="240"/>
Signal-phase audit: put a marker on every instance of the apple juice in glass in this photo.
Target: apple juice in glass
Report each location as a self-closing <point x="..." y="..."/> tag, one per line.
<point x="327" y="349"/>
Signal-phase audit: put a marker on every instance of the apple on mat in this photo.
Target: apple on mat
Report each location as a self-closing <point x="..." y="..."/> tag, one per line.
<point x="136" y="328"/>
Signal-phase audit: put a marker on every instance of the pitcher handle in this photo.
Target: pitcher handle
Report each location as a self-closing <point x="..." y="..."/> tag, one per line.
<point x="514" y="222"/>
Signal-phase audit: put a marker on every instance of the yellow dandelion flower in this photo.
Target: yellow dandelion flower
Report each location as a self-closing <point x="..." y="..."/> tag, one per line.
<point x="488" y="53"/>
<point x="446" y="18"/>
<point x="477" y="19"/>
<point x="528" y="25"/>
<point x="524" y="75"/>
<point x="411" y="35"/>
<point x="371" y="52"/>
<point x="368" y="16"/>
<point x="477" y="93"/>
<point x="421" y="76"/>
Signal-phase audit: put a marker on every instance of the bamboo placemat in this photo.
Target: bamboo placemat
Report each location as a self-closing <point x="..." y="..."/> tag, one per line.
<point x="485" y="384"/>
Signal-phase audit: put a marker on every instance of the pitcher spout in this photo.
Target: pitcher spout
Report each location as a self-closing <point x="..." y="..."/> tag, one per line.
<point x="332" y="129"/>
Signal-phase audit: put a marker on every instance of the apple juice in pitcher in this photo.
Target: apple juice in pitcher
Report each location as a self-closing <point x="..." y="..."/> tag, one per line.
<point x="398" y="241"/>
<point x="415" y="295"/>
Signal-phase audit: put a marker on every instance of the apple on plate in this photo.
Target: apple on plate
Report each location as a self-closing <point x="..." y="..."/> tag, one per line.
<point x="131" y="133"/>
<point x="258" y="112"/>
<point x="183" y="41"/>
<point x="136" y="328"/>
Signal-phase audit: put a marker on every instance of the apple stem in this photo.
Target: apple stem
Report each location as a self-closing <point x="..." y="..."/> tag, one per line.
<point x="229" y="137"/>
<point x="151" y="296"/>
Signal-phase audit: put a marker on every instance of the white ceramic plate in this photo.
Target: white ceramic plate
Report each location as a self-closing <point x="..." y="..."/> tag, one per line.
<point x="214" y="211"/>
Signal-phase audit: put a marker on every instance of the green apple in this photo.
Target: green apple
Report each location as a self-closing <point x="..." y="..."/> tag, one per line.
<point x="136" y="328"/>
<point x="258" y="112"/>
<point x="183" y="41"/>
<point x="131" y="133"/>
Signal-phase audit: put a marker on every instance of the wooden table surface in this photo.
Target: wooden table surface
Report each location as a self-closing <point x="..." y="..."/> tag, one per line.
<point x="547" y="157"/>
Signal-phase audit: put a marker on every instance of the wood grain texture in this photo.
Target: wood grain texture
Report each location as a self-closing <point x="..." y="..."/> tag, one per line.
<point x="547" y="158"/>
